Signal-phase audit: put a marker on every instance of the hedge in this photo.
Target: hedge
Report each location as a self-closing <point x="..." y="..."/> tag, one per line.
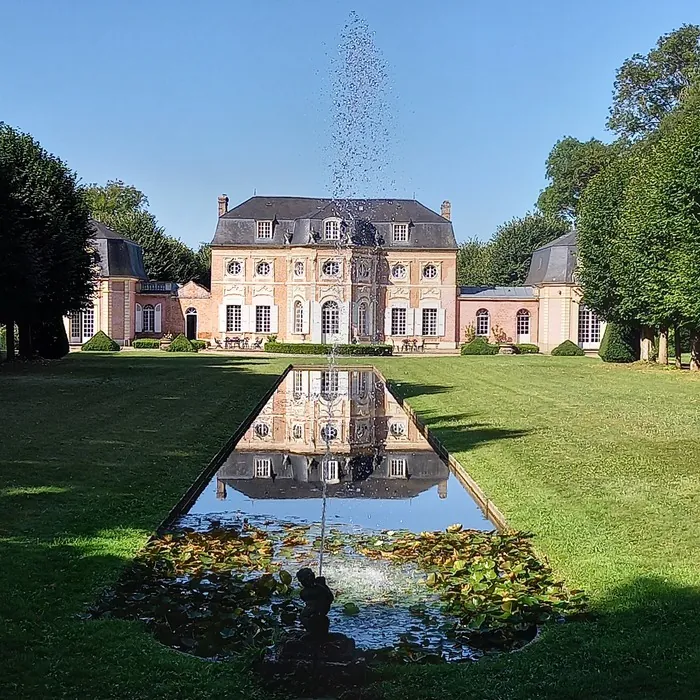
<point x="619" y="344"/>
<point x="146" y="344"/>
<point x="181" y="344"/>
<point x="527" y="348"/>
<point x="479" y="346"/>
<point x="101" y="342"/>
<point x="199" y="344"/>
<point x="323" y="349"/>
<point x="568" y="349"/>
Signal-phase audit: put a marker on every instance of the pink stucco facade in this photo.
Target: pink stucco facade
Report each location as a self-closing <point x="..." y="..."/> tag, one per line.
<point x="502" y="314"/>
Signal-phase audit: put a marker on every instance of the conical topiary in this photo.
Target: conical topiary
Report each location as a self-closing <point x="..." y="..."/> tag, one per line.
<point x="619" y="344"/>
<point x="567" y="349"/>
<point x="181" y="344"/>
<point x="101" y="342"/>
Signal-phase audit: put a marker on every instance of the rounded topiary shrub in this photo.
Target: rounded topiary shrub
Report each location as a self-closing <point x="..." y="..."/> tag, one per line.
<point x="101" y="342"/>
<point x="181" y="344"/>
<point x="568" y="349"/>
<point x="199" y="344"/>
<point x="527" y="348"/>
<point x="146" y="344"/>
<point x="619" y="344"/>
<point x="479" y="346"/>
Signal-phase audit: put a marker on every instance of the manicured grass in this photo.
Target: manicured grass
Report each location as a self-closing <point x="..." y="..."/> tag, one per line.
<point x="601" y="462"/>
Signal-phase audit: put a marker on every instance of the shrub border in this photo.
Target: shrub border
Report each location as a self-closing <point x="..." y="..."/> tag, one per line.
<point x="346" y="349"/>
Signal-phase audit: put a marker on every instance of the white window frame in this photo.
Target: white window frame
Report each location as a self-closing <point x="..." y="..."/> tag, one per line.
<point x="331" y="230"/>
<point x="329" y="433"/>
<point x="297" y="431"/>
<point x="522" y="322"/>
<point x="264" y="230"/>
<point x="241" y="268"/>
<point x="259" y="264"/>
<point x="262" y="467"/>
<point x="363" y="318"/>
<point x="400" y="233"/>
<point x="398" y="323"/>
<point x="483" y="323"/>
<point x="363" y="269"/>
<point x="332" y="263"/>
<point x="263" y="318"/>
<point x="297" y="383"/>
<point x="330" y="384"/>
<point x="396" y="268"/>
<point x="330" y="318"/>
<point x="430" y="266"/>
<point x="299" y="268"/>
<point x="398" y="430"/>
<point x="234" y="318"/>
<point x="262" y="431"/>
<point x="398" y="467"/>
<point x="298" y="310"/>
<point x="149" y="319"/>
<point x="590" y="328"/>
<point x="429" y="321"/>
<point x="330" y="470"/>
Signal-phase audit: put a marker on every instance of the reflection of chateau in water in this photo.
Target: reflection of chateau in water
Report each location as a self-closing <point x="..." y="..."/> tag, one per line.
<point x="376" y="451"/>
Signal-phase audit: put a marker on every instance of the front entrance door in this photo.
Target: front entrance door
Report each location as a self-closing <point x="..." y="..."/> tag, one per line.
<point x="330" y="322"/>
<point x="191" y="326"/>
<point x="82" y="326"/>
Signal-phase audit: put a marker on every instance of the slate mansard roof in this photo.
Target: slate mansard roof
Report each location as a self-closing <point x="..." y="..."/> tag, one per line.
<point x="299" y="221"/>
<point x="497" y="293"/>
<point x="554" y="263"/>
<point x="117" y="256"/>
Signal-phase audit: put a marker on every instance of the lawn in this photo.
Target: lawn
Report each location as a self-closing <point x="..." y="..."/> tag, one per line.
<point x="601" y="462"/>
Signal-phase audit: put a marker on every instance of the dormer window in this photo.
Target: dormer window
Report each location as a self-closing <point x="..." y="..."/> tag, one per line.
<point x="400" y="233"/>
<point x="264" y="229"/>
<point x="331" y="230"/>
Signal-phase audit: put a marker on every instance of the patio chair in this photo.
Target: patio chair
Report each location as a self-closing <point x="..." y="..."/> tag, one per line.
<point x="257" y="345"/>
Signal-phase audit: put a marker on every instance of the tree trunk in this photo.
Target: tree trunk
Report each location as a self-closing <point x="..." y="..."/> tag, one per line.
<point x="647" y="344"/>
<point x="677" y="347"/>
<point x="663" y="347"/>
<point x="695" y="351"/>
<point x="25" y="340"/>
<point x="10" y="339"/>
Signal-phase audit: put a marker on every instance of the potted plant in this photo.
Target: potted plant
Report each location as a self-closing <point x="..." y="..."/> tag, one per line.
<point x="165" y="341"/>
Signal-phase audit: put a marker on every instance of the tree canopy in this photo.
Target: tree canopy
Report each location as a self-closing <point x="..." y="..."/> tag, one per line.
<point x="648" y="87"/>
<point x="474" y="263"/>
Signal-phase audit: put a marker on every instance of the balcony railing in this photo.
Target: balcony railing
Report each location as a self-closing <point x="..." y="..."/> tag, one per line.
<point x="157" y="287"/>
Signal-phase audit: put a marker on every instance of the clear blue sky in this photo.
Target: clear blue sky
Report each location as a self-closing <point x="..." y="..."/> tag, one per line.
<point x="186" y="100"/>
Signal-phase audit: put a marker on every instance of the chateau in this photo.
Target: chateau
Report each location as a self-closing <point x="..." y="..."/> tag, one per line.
<point x="322" y="271"/>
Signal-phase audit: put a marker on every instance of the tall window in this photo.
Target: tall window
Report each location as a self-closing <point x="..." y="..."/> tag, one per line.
<point x="522" y="322"/>
<point x="430" y="324"/>
<point x="329" y="384"/>
<point x="233" y="318"/>
<point x="398" y="321"/>
<point x="89" y="322"/>
<point x="330" y="470"/>
<point x="263" y="467"/>
<point x="75" y="324"/>
<point x="400" y="233"/>
<point x="397" y="468"/>
<point x="298" y="317"/>
<point x="264" y="229"/>
<point x="149" y="318"/>
<point x="362" y="328"/>
<point x="262" y="319"/>
<point x="483" y="323"/>
<point x="588" y="326"/>
<point x="330" y="318"/>
<point x="298" y="384"/>
<point x="332" y="230"/>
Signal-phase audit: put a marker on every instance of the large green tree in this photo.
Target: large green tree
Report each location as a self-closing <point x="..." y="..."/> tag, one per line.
<point x="570" y="166"/>
<point x="474" y="263"/>
<point x="45" y="240"/>
<point x="124" y="208"/>
<point x="648" y="87"/>
<point x="514" y="242"/>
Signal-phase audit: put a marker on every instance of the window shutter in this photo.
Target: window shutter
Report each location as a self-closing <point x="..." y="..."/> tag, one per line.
<point x="418" y="314"/>
<point x="305" y="328"/>
<point x="409" y="321"/>
<point x="344" y="321"/>
<point x="441" y="322"/>
<point x="245" y="318"/>
<point x="387" y="322"/>
<point x="222" y="318"/>
<point x="139" y="318"/>
<point x="343" y="384"/>
<point x="157" y="320"/>
<point x="316" y="322"/>
<point x="315" y="384"/>
<point x="274" y="318"/>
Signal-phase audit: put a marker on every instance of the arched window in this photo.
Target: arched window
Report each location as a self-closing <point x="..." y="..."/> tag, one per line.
<point x="430" y="272"/>
<point x="399" y="271"/>
<point x="483" y="323"/>
<point x="589" y="327"/>
<point x="522" y="326"/>
<point x="298" y="317"/>
<point x="149" y="318"/>
<point x="362" y="328"/>
<point x="191" y="311"/>
<point x="330" y="319"/>
<point x="263" y="269"/>
<point x="234" y="267"/>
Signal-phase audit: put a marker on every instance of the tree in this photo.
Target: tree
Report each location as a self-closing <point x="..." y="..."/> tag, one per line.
<point x="45" y="239"/>
<point x="474" y="263"/>
<point x="648" y="87"/>
<point x="570" y="166"/>
<point x="514" y="243"/>
<point x="124" y="208"/>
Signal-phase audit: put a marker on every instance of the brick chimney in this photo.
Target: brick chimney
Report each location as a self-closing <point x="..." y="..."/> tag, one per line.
<point x="223" y="204"/>
<point x="446" y="210"/>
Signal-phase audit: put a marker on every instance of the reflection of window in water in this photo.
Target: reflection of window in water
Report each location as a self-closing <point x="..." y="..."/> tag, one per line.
<point x="262" y="430"/>
<point x="329" y="433"/>
<point x="362" y="384"/>
<point x="330" y="470"/>
<point x="297" y="432"/>
<point x="263" y="468"/>
<point x="298" y="384"/>
<point x="397" y="467"/>
<point x="360" y="431"/>
<point x="329" y="384"/>
<point x="398" y="429"/>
